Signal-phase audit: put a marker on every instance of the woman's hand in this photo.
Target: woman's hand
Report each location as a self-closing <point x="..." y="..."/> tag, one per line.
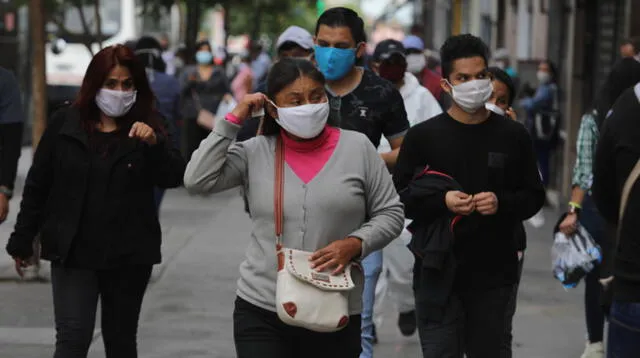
<point x="249" y="104"/>
<point x="336" y="255"/>
<point x="143" y="132"/>
<point x="511" y="114"/>
<point x="570" y="224"/>
<point x="20" y="265"/>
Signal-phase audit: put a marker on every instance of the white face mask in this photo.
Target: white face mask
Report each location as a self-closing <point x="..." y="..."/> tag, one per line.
<point x="472" y="95"/>
<point x="493" y="108"/>
<point x="306" y="121"/>
<point x="416" y="62"/>
<point x="115" y="104"/>
<point x="543" y="77"/>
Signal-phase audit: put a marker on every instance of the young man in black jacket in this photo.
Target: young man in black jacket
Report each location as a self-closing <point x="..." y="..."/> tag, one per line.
<point x="493" y="160"/>
<point x="11" y="125"/>
<point x="617" y="154"/>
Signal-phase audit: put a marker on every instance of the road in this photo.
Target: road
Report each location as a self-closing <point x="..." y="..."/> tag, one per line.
<point x="188" y="307"/>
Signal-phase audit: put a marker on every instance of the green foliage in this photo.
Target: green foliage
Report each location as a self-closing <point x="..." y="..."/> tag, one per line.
<point x="270" y="17"/>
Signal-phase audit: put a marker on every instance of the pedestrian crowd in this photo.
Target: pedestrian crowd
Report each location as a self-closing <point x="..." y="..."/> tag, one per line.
<point x="394" y="175"/>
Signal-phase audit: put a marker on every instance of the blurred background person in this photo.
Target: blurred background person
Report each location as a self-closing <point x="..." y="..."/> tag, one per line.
<point x="417" y="65"/>
<point x="166" y="89"/>
<point x="543" y="122"/>
<point x="203" y="86"/>
<point x="260" y="63"/>
<point x="167" y="54"/>
<point x="630" y="47"/>
<point x="396" y="279"/>
<point x="11" y="126"/>
<point x="504" y="93"/>
<point x="242" y="83"/>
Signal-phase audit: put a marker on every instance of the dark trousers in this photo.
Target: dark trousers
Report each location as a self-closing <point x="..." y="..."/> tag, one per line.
<point x="473" y="324"/>
<point x="594" y="223"/>
<point x="543" y="153"/>
<point x="259" y="333"/>
<point x="507" y="343"/>
<point x="75" y="300"/>
<point x="158" y="195"/>
<point x="624" y="330"/>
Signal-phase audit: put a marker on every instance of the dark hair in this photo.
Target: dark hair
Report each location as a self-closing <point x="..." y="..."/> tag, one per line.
<point x="503" y="77"/>
<point x="290" y="45"/>
<point x="99" y="68"/>
<point x="553" y="69"/>
<point x="624" y="74"/>
<point x="283" y="73"/>
<point x="343" y="17"/>
<point x="633" y="41"/>
<point x="149" y="52"/>
<point x="461" y="46"/>
<point x="201" y="44"/>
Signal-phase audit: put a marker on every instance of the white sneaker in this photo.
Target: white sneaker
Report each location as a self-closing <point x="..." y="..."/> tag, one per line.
<point x="593" y="350"/>
<point x="537" y="221"/>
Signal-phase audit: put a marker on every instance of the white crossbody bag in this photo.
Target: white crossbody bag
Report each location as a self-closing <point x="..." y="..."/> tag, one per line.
<point x="305" y="298"/>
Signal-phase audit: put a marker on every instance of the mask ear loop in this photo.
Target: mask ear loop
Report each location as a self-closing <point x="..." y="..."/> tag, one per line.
<point x="262" y="114"/>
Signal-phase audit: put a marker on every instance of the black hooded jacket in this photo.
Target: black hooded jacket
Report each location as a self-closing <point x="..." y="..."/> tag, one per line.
<point x="433" y="241"/>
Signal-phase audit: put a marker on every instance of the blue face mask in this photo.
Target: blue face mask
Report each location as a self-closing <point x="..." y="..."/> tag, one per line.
<point x="335" y="63"/>
<point x="204" y="57"/>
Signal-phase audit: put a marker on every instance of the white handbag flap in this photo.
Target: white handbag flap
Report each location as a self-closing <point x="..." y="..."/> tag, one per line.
<point x="297" y="263"/>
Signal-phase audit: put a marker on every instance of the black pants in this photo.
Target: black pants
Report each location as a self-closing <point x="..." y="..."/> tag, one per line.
<point x="75" y="300"/>
<point x="507" y="342"/>
<point x="594" y="223"/>
<point x="473" y="324"/>
<point x="259" y="333"/>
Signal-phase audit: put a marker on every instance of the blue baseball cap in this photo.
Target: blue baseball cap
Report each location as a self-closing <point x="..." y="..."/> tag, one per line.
<point x="413" y="42"/>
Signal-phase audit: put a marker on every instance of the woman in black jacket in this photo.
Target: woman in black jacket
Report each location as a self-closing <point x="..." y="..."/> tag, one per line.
<point x="89" y="194"/>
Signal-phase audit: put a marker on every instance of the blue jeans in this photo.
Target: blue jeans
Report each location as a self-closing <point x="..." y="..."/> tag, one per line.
<point x="624" y="330"/>
<point x="372" y="265"/>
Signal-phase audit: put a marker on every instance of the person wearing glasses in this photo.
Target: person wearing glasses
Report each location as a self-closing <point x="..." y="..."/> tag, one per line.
<point x="364" y="102"/>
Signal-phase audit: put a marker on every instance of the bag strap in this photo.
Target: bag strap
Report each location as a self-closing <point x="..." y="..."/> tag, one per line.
<point x="626" y="190"/>
<point x="278" y="190"/>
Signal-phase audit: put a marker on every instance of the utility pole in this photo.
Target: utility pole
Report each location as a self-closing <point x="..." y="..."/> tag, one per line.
<point x="38" y="75"/>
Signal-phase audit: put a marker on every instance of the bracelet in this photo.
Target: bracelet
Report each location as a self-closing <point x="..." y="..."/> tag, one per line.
<point x="575" y="205"/>
<point x="6" y="192"/>
<point x="232" y="118"/>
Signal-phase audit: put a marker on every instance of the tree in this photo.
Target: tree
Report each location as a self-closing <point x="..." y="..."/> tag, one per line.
<point x="39" y="85"/>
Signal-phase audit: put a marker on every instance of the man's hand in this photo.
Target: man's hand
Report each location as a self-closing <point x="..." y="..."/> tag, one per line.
<point x="4" y="207"/>
<point x="486" y="203"/>
<point x="336" y="255"/>
<point x="459" y="202"/>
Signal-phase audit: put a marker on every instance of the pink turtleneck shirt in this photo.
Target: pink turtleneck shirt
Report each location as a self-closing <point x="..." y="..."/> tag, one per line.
<point x="306" y="158"/>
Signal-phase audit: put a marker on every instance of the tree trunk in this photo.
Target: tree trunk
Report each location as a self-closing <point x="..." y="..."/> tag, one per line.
<point x="193" y="25"/>
<point x="257" y="21"/>
<point x="39" y="84"/>
<point x="98" y="20"/>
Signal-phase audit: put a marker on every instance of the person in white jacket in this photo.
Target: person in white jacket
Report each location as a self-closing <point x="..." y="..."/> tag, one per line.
<point x="396" y="278"/>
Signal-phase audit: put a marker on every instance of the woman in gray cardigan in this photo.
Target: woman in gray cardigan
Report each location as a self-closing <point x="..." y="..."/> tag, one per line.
<point x="339" y="202"/>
